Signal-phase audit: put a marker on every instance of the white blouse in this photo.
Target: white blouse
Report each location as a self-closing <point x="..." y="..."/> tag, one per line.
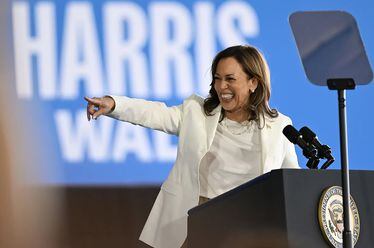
<point x="233" y="159"/>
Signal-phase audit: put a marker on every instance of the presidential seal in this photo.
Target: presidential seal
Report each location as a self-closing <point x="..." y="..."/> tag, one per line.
<point x="330" y="215"/>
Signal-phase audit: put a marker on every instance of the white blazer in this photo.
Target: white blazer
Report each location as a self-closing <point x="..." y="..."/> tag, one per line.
<point x="166" y="226"/>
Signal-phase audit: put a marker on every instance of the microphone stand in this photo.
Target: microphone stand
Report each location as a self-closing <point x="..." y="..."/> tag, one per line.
<point x="313" y="163"/>
<point x="311" y="154"/>
<point x="341" y="85"/>
<point x="327" y="163"/>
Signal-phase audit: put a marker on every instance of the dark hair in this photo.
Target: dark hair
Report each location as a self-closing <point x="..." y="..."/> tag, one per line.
<point x="254" y="65"/>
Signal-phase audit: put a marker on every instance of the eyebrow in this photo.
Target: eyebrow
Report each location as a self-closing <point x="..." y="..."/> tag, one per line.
<point x="231" y="74"/>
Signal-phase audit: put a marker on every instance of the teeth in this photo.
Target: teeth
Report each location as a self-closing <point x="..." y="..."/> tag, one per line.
<point x="227" y="96"/>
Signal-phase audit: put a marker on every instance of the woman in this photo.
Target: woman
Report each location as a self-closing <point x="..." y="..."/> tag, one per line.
<point x="224" y="140"/>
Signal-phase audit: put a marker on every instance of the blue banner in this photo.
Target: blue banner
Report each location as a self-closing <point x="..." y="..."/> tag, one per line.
<point x="162" y="50"/>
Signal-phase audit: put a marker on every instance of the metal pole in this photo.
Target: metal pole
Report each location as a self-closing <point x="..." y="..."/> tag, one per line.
<point x="347" y="233"/>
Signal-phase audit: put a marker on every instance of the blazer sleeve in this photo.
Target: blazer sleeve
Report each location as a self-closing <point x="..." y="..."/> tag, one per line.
<point x="151" y="114"/>
<point x="290" y="158"/>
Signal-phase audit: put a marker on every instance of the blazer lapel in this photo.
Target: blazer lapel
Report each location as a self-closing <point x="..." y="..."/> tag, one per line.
<point x="211" y="124"/>
<point x="265" y="138"/>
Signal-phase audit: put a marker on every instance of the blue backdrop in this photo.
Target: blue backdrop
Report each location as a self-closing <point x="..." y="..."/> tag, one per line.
<point x="161" y="50"/>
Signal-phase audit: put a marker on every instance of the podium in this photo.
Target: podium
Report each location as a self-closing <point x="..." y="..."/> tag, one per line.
<point x="278" y="209"/>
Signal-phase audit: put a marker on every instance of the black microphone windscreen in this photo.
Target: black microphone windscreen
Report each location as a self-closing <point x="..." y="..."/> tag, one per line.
<point x="307" y="134"/>
<point x="291" y="133"/>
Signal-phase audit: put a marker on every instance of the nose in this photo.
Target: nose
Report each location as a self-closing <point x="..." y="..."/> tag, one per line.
<point x="222" y="84"/>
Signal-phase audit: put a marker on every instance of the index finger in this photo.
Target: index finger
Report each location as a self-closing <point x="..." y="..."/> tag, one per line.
<point x="92" y="100"/>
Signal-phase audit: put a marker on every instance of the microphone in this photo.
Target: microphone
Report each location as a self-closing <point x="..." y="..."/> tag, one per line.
<point x="324" y="151"/>
<point x="295" y="137"/>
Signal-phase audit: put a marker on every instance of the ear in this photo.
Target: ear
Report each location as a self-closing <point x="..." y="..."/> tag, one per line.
<point x="253" y="82"/>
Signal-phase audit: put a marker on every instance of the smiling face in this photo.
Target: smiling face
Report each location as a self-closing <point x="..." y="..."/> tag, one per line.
<point x="233" y="87"/>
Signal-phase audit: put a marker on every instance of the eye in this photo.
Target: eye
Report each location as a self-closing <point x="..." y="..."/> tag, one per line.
<point x="216" y="78"/>
<point x="231" y="79"/>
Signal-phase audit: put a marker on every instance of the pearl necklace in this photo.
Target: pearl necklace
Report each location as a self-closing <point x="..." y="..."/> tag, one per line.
<point x="237" y="128"/>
